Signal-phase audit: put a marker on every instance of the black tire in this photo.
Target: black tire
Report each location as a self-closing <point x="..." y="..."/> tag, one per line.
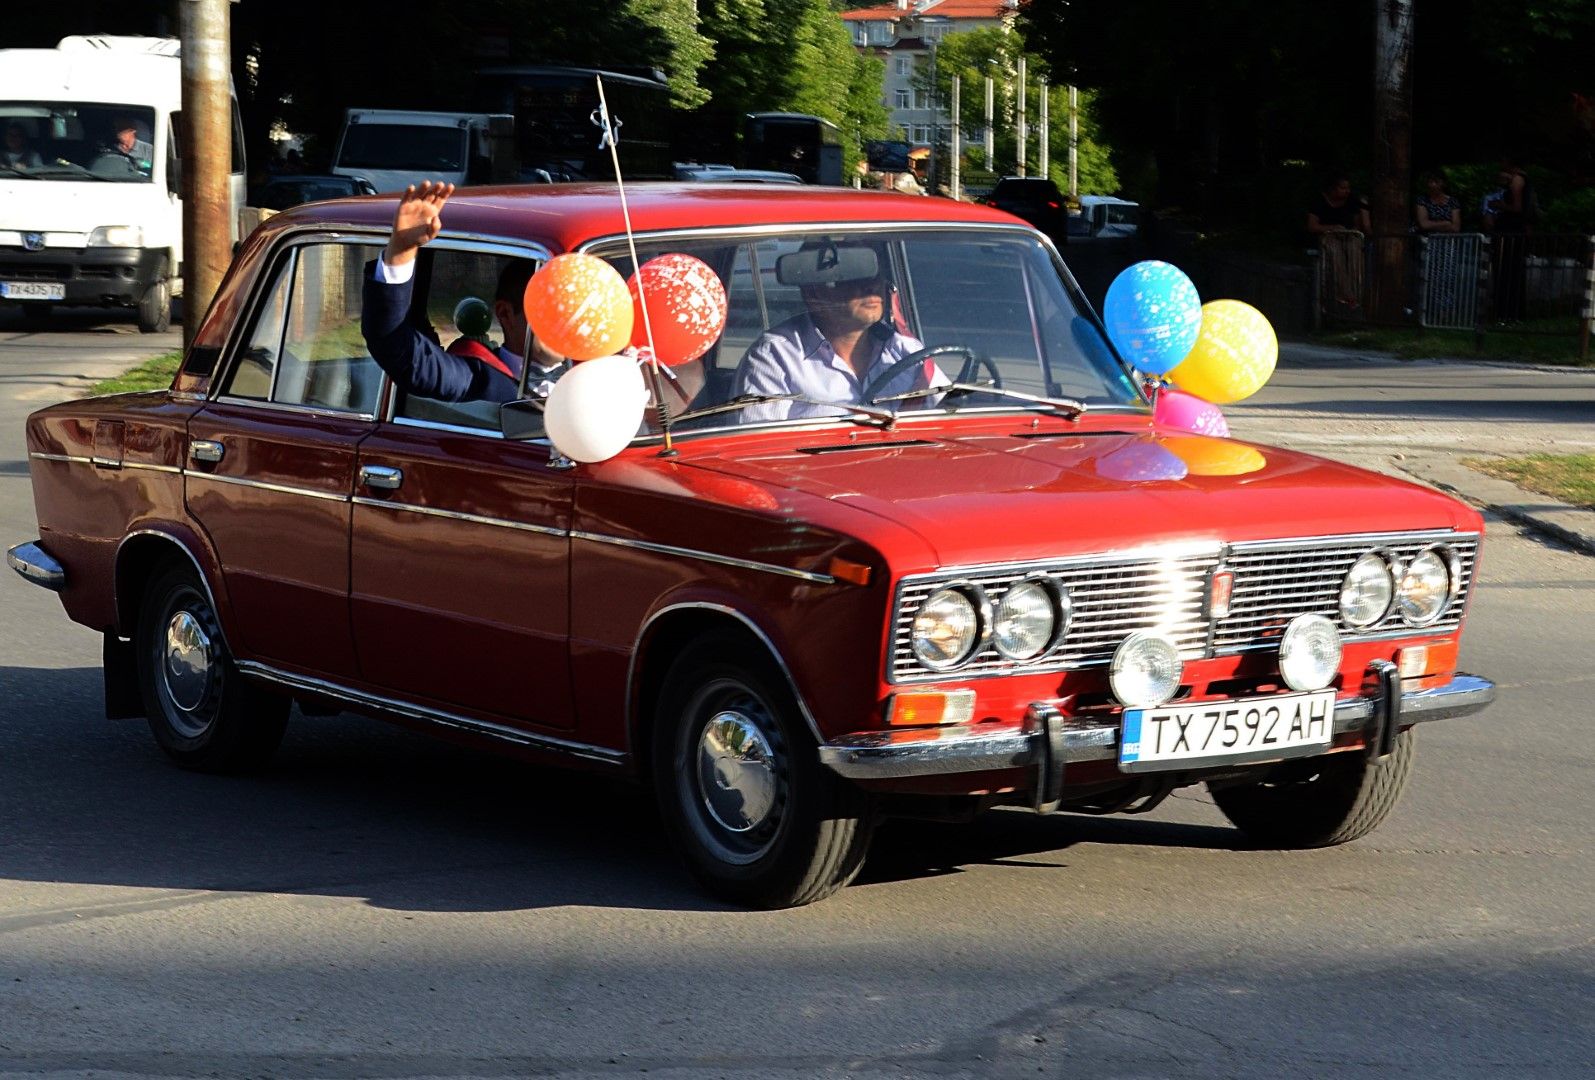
<point x="202" y="712"/>
<point x="1335" y="800"/>
<point x="155" y="309"/>
<point x="804" y="832"/>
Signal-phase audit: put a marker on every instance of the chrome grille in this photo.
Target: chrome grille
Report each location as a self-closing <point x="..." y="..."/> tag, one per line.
<point x="1166" y="590"/>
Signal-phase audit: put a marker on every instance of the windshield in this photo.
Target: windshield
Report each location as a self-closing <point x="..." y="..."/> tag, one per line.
<point x="821" y="321"/>
<point x="62" y="140"/>
<point x="403" y="147"/>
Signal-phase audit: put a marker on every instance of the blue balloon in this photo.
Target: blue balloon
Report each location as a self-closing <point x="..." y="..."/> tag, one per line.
<point x="1153" y="315"/>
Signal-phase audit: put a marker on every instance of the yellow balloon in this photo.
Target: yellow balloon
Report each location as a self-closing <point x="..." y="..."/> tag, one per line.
<point x="1233" y="356"/>
<point x="1205" y="456"/>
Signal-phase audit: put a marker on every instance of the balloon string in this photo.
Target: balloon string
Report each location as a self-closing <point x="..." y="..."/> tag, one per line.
<point x="611" y="141"/>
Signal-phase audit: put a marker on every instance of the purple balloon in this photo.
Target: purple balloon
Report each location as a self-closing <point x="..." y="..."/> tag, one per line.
<point x="1177" y="409"/>
<point x="1142" y="462"/>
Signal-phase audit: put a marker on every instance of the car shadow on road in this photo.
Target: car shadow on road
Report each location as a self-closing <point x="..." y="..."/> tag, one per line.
<point x="354" y="807"/>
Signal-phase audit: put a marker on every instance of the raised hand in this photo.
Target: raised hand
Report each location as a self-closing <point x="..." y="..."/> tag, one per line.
<point x="418" y="219"/>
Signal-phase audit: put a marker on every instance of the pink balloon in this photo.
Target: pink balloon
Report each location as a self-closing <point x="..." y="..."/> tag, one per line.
<point x="1177" y="409"/>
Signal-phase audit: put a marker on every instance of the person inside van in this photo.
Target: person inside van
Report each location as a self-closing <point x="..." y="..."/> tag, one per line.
<point x="129" y="145"/>
<point x="16" y="152"/>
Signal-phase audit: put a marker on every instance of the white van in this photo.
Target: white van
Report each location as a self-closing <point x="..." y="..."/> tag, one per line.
<point x="394" y="149"/>
<point x="90" y="176"/>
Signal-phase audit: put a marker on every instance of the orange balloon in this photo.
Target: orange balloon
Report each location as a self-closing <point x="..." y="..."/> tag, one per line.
<point x="578" y="306"/>
<point x="1205" y="456"/>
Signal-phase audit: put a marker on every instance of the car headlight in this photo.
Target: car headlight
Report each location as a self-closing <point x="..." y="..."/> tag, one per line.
<point x="948" y="626"/>
<point x="1146" y="670"/>
<point x="1366" y="591"/>
<point x="117" y="236"/>
<point x="1029" y="619"/>
<point x="1426" y="586"/>
<point x="1309" y="653"/>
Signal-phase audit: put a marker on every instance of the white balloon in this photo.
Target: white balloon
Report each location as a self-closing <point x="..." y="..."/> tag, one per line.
<point x="596" y="408"/>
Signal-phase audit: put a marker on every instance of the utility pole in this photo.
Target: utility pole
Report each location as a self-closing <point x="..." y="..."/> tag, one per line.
<point x="958" y="141"/>
<point x="1074" y="140"/>
<point x="935" y="123"/>
<point x="206" y="141"/>
<point x="1045" y="134"/>
<point x="1392" y="161"/>
<point x="1024" y="132"/>
<point x="991" y="124"/>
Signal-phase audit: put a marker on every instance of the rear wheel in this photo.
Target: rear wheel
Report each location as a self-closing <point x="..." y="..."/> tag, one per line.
<point x="202" y="712"/>
<point x="1331" y="800"/>
<point x="743" y="795"/>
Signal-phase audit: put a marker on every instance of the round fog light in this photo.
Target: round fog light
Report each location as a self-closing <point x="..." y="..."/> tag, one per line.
<point x="1146" y="670"/>
<point x="1309" y="653"/>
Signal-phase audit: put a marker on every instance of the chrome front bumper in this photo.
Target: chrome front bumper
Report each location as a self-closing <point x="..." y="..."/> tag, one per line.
<point x="1049" y="739"/>
<point x="34" y="563"/>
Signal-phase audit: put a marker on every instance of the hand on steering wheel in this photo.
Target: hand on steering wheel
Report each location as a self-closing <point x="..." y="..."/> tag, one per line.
<point x="972" y="362"/>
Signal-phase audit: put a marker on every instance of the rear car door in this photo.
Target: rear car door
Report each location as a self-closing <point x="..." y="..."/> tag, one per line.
<point x="272" y="455"/>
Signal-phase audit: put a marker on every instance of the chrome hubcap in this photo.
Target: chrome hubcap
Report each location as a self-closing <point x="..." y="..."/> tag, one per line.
<point x="188" y="662"/>
<point x="736" y="772"/>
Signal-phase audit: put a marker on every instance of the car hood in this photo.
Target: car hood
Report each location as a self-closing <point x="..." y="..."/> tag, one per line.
<point x="1001" y="496"/>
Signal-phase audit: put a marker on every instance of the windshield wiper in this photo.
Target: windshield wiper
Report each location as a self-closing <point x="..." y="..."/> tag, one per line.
<point x="862" y="414"/>
<point x="1067" y="406"/>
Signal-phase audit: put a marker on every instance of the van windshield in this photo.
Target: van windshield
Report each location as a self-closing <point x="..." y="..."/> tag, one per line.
<point x="403" y="146"/>
<point x="61" y="140"/>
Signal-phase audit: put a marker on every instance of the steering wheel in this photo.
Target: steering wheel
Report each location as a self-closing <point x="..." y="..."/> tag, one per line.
<point x="973" y="361"/>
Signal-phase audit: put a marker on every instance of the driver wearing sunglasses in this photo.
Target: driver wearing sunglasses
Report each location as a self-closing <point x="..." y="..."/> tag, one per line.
<point x="843" y="347"/>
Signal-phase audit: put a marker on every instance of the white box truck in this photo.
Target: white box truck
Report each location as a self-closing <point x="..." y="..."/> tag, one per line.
<point x="394" y="148"/>
<point x="90" y="176"/>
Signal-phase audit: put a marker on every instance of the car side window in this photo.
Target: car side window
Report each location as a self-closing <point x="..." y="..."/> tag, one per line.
<point x="324" y="363"/>
<point x="257" y="359"/>
<point x="455" y="279"/>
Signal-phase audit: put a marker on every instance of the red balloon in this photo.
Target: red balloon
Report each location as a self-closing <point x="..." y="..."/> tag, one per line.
<point x="686" y="307"/>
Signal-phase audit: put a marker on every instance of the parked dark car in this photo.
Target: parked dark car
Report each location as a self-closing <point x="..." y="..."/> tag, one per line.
<point x="282" y="192"/>
<point x="1034" y="199"/>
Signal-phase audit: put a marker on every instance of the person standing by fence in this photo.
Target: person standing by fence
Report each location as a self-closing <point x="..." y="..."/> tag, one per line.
<point x="1437" y="210"/>
<point x="1337" y="223"/>
<point x="1438" y="213"/>
<point x="1513" y="220"/>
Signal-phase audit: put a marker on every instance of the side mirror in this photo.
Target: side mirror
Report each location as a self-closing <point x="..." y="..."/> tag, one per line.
<point x="521" y="420"/>
<point x="174" y="176"/>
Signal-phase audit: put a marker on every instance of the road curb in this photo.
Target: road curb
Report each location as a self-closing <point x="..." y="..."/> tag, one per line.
<point x="1570" y="524"/>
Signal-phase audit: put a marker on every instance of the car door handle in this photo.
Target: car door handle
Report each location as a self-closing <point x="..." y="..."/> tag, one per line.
<point x="381" y="477"/>
<point x="206" y="450"/>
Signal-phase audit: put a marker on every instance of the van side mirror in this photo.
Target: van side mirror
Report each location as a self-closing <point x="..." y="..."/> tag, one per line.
<point x="174" y="176"/>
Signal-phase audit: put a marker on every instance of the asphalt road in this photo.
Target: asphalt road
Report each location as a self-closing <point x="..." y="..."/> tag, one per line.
<point x="378" y="904"/>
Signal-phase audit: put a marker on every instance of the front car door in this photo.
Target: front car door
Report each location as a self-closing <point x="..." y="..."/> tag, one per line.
<point x="460" y="547"/>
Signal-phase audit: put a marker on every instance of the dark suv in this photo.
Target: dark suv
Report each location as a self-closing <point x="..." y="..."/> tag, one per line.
<point x="1036" y="199"/>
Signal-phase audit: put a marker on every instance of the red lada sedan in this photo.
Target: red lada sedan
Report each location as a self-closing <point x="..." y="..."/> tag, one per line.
<point x="984" y="578"/>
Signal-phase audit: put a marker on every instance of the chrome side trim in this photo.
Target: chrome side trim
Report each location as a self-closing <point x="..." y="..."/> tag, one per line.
<point x="750" y="625"/>
<point x="430" y="511"/>
<point x="173" y="469"/>
<point x="438" y="425"/>
<point x="964" y="748"/>
<point x="74" y="459"/>
<point x="37" y="565"/>
<point x="116" y="585"/>
<point x="300" y="410"/>
<point x="705" y="556"/>
<point x="439" y="717"/>
<point x="262" y="485"/>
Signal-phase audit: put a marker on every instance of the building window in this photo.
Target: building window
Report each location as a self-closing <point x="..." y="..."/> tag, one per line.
<point x="860" y="36"/>
<point x="921" y="99"/>
<point x="880" y="33"/>
<point x="902" y="99"/>
<point x="905" y="65"/>
<point x="922" y="133"/>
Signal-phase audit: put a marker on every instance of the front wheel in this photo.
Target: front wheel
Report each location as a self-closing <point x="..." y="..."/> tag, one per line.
<point x="202" y="712"/>
<point x="743" y="795"/>
<point x="1319" y="803"/>
<point x="155" y="309"/>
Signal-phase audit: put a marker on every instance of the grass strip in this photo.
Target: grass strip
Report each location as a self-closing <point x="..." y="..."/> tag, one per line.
<point x="153" y="374"/>
<point x="1559" y="347"/>
<point x="1568" y="477"/>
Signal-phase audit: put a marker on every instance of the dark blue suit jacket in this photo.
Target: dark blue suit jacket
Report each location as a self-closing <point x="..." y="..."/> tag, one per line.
<point x="418" y="364"/>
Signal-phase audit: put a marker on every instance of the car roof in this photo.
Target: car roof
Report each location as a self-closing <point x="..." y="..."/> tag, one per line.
<point x="565" y="216"/>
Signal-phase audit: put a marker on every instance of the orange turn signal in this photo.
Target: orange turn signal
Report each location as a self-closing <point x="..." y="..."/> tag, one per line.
<point x="854" y="573"/>
<point x="1416" y="661"/>
<point x="922" y="708"/>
